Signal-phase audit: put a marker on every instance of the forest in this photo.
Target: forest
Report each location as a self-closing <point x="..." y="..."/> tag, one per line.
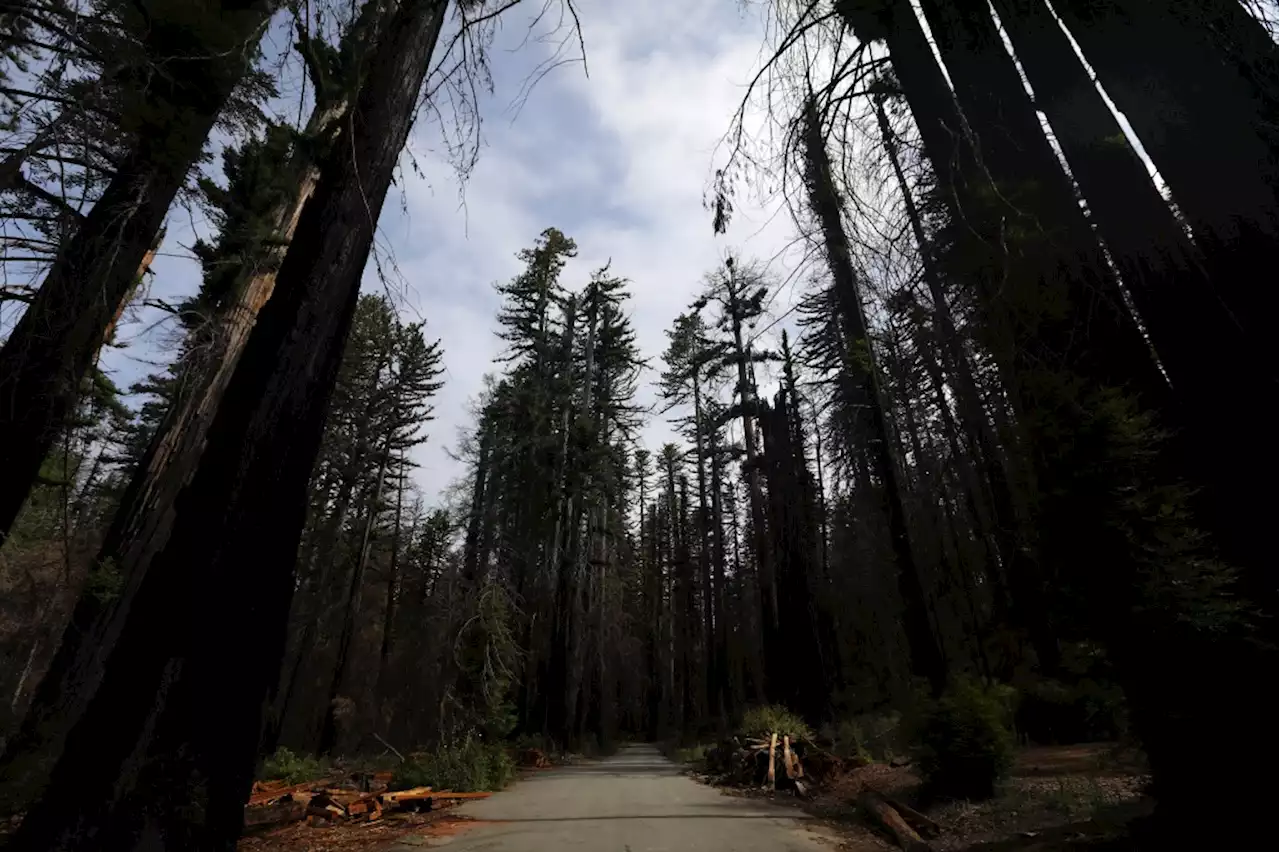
<point x="999" y="443"/>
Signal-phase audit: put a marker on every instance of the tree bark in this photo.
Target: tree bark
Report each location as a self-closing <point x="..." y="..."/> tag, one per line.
<point x="1198" y="83"/>
<point x="141" y="523"/>
<point x="48" y="352"/>
<point x="329" y="736"/>
<point x="926" y="655"/>
<point x="1064" y="284"/>
<point x="164" y="756"/>
<point x="767" y="582"/>
<point x="1209" y="311"/>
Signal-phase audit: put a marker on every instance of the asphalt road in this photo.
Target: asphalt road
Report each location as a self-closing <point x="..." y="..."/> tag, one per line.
<point x="635" y="801"/>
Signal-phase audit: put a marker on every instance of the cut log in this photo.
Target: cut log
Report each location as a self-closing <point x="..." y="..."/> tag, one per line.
<point x="445" y="794"/>
<point x="267" y="786"/>
<point x="918" y="821"/>
<point x="888" y="818"/>
<point x="773" y="747"/>
<point x="326" y="812"/>
<point x="406" y="795"/>
<point x="272" y="794"/>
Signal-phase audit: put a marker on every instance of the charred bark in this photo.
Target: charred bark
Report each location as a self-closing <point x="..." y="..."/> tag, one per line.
<point x="859" y="364"/>
<point x="141" y="523"/>
<point x="53" y="344"/>
<point x="164" y="756"/>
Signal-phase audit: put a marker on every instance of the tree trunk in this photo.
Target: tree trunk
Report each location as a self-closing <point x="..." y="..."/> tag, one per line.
<point x="1008" y="557"/>
<point x="163" y="758"/>
<point x="1202" y="314"/>
<point x="926" y="655"/>
<point x="1064" y="284"/>
<point x="705" y="555"/>
<point x="767" y="583"/>
<point x="1198" y="83"/>
<point x="722" y="704"/>
<point x="389" y="613"/>
<point x="331" y="735"/>
<point x="141" y="523"/>
<point x="48" y="352"/>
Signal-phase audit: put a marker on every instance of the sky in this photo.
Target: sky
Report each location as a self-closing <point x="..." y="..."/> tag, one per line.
<point x="618" y="156"/>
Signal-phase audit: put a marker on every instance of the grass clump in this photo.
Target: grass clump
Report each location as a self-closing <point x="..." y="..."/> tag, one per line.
<point x="464" y="767"/>
<point x="760" y="722"/>
<point x="694" y="755"/>
<point x="284" y="765"/>
<point x="867" y="737"/>
<point x="966" y="745"/>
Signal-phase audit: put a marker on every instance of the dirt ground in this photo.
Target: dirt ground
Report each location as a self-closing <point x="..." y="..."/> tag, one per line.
<point x="352" y="836"/>
<point x="1057" y="798"/>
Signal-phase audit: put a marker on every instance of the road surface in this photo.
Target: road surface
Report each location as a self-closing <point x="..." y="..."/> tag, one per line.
<point x="635" y="801"/>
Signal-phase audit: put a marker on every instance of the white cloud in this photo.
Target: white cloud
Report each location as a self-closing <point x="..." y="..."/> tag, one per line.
<point x="618" y="160"/>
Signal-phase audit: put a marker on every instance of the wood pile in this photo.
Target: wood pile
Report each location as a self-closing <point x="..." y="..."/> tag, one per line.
<point x="328" y="800"/>
<point x="773" y="763"/>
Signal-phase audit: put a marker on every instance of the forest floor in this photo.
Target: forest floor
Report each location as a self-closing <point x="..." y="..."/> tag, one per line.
<point x="1056" y="798"/>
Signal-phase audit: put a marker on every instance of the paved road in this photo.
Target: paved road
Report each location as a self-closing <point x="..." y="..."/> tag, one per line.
<point x="635" y="801"/>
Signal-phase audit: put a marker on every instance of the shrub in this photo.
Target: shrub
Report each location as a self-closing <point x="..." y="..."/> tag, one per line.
<point x="466" y="766"/>
<point x="867" y="737"/>
<point x="695" y="755"/>
<point x="284" y="765"/>
<point x="760" y="722"/>
<point x="1088" y="710"/>
<point x="966" y="746"/>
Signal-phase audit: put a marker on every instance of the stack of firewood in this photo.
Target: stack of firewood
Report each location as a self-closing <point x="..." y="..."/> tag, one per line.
<point x="326" y="800"/>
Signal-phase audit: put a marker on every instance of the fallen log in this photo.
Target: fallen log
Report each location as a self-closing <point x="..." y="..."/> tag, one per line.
<point x="410" y="795"/>
<point x="271" y="794"/>
<point x="268" y="785"/>
<point x="884" y="813"/>
<point x="445" y="794"/>
<point x="362" y="805"/>
<point x="919" y="821"/>
<point x="327" y="811"/>
<point x="288" y="811"/>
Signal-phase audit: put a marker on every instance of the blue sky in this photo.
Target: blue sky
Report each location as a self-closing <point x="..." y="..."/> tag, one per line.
<point x="619" y="160"/>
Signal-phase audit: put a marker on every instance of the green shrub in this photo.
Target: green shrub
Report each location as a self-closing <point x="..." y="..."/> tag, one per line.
<point x="695" y="755"/>
<point x="284" y="765"/>
<point x="466" y="766"/>
<point x="760" y="722"/>
<point x="867" y="737"/>
<point x="1057" y="712"/>
<point x="966" y="745"/>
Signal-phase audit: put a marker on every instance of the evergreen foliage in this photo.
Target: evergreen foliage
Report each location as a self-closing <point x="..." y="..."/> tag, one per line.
<point x="997" y="447"/>
<point x="966" y="744"/>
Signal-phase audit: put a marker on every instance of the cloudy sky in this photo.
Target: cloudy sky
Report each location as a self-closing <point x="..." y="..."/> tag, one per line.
<point x="618" y="158"/>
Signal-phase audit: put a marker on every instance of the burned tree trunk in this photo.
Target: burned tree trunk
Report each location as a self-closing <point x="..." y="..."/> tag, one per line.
<point x="859" y="363"/>
<point x="51" y="347"/>
<point x="141" y="522"/>
<point x="163" y="758"/>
